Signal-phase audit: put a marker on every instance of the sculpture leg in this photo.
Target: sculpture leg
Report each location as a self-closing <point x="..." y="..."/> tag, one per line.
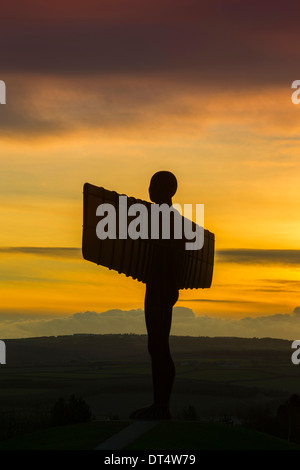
<point x="158" y="314"/>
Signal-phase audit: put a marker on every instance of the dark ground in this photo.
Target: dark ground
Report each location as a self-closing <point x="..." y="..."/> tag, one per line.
<point x="230" y="380"/>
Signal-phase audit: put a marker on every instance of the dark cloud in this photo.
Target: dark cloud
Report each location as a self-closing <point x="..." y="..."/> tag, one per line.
<point x="259" y="256"/>
<point x="151" y="11"/>
<point x="227" y="301"/>
<point x="40" y="105"/>
<point x="49" y="252"/>
<point x="227" y="43"/>
<point x="283" y="282"/>
<point x="248" y="256"/>
<point x="275" y="285"/>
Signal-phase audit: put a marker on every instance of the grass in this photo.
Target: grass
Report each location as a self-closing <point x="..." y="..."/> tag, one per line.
<point x="207" y="436"/>
<point x="73" y="437"/>
<point x="173" y="435"/>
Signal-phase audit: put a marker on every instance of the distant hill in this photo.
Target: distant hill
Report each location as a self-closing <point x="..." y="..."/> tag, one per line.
<point x="129" y="347"/>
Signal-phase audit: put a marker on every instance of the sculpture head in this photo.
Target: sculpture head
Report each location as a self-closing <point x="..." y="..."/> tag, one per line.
<point x="163" y="186"/>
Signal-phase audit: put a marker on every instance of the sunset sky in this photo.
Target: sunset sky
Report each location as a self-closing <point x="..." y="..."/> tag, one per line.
<point x="111" y="91"/>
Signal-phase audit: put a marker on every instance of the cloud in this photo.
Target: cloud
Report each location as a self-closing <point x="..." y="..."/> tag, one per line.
<point x="48" y="252"/>
<point x="225" y="43"/>
<point x="259" y="256"/>
<point x="227" y="301"/>
<point x="130" y="104"/>
<point x="41" y="105"/>
<point x="185" y="323"/>
<point x="240" y="256"/>
<point x="284" y="326"/>
<point x="275" y="285"/>
<point x="112" y="321"/>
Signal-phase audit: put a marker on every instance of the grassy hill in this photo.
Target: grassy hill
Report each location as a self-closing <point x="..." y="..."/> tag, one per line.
<point x="164" y="436"/>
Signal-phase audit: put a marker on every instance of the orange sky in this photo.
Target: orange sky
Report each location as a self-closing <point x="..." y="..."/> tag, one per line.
<point x="220" y="117"/>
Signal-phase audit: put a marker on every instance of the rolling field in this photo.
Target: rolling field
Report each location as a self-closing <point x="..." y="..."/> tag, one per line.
<point x="214" y="376"/>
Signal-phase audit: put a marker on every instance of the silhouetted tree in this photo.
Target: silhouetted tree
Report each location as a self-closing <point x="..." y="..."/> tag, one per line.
<point x="76" y="410"/>
<point x="189" y="413"/>
<point x="288" y="419"/>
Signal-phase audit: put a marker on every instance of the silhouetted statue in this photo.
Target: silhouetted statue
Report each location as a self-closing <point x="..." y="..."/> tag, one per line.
<point x="162" y="293"/>
<point x="160" y="261"/>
